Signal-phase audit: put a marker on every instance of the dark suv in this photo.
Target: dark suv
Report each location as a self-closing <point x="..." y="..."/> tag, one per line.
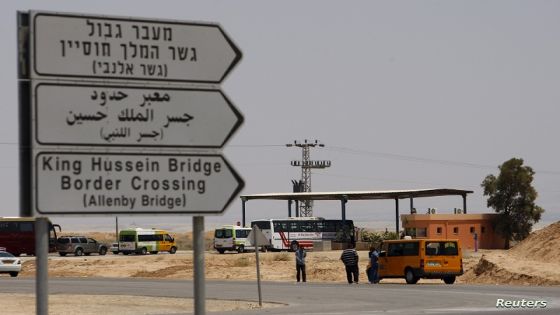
<point x="79" y="245"/>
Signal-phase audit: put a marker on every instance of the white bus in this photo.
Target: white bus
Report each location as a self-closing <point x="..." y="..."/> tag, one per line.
<point x="285" y="234"/>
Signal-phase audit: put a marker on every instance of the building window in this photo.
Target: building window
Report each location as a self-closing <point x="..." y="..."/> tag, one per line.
<point x="438" y="230"/>
<point x="472" y="229"/>
<point x="420" y="232"/>
<point x="456" y="230"/>
<point x="482" y="229"/>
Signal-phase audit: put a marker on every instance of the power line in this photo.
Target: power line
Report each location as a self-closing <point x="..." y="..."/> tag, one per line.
<point x="410" y="158"/>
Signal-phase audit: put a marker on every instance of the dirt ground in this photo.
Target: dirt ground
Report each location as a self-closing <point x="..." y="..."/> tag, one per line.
<point x="24" y="304"/>
<point x="533" y="261"/>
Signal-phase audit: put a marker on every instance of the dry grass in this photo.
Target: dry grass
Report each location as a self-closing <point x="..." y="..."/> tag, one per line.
<point x="278" y="257"/>
<point x="243" y="261"/>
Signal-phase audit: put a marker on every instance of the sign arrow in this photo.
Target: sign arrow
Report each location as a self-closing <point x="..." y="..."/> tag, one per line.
<point x="72" y="45"/>
<point x="112" y="115"/>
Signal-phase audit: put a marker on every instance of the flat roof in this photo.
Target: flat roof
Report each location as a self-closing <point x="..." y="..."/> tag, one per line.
<point x="361" y="195"/>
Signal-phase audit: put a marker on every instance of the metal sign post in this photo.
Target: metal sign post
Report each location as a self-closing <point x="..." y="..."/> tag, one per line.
<point x="257" y="238"/>
<point x="42" y="265"/>
<point x="255" y="229"/>
<point x="198" y="265"/>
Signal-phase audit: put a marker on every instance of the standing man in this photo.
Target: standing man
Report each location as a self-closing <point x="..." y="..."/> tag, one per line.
<point x="373" y="274"/>
<point x="300" y="263"/>
<point x="350" y="259"/>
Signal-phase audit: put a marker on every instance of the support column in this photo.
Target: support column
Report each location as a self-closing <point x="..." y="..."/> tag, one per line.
<point x="411" y="204"/>
<point x="243" y="200"/>
<point x="343" y="202"/>
<point x="289" y="208"/>
<point x="297" y="208"/>
<point x="397" y="218"/>
<point x="465" y="203"/>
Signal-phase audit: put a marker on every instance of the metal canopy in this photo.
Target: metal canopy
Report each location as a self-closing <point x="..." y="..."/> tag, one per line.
<point x="344" y="196"/>
<point x="360" y="195"/>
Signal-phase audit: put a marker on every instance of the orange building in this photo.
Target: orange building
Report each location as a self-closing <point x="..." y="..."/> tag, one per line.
<point x="460" y="226"/>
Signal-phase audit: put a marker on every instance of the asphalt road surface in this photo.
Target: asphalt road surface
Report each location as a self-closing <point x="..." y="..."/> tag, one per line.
<point x="319" y="298"/>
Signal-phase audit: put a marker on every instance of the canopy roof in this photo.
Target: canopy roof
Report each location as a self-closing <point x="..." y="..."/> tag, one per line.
<point x="360" y="195"/>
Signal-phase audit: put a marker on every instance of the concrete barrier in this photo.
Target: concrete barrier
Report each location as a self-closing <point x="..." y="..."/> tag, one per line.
<point x="321" y="246"/>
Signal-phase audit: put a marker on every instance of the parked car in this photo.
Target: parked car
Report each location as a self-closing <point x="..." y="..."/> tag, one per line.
<point x="79" y="245"/>
<point x="9" y="264"/>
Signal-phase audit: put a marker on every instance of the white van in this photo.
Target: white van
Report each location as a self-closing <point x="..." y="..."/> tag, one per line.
<point x="232" y="237"/>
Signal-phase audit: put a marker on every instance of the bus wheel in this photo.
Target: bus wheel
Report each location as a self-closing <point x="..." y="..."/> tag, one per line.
<point x="449" y="279"/>
<point x="410" y="277"/>
<point x="173" y="250"/>
<point x="293" y="246"/>
<point x="264" y="249"/>
<point x="221" y="251"/>
<point x="241" y="249"/>
<point x="13" y="274"/>
<point x="79" y="252"/>
<point x="143" y="251"/>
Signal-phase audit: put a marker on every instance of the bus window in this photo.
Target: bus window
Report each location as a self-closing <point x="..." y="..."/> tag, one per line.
<point x="26" y="226"/>
<point x="263" y="225"/>
<point x="127" y="238"/>
<point x="242" y="233"/>
<point x="410" y="249"/>
<point x="293" y="227"/>
<point x="395" y="249"/>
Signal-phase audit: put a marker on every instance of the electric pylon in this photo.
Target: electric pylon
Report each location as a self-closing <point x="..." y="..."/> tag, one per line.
<point x="306" y="206"/>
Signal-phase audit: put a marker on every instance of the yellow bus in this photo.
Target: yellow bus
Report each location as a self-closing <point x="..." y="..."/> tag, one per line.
<point x="413" y="259"/>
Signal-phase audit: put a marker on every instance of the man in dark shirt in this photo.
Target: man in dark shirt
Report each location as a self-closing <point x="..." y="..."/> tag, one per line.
<point x="300" y="263"/>
<point x="350" y="259"/>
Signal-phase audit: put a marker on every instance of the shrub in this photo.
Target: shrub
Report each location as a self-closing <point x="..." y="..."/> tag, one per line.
<point x="242" y="262"/>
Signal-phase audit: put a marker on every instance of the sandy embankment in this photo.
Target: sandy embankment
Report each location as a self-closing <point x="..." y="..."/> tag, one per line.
<point x="534" y="261"/>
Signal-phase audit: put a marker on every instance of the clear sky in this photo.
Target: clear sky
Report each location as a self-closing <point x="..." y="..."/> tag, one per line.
<point x="404" y="95"/>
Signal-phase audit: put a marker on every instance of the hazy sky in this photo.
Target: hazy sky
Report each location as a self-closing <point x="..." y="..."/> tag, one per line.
<point x="404" y="95"/>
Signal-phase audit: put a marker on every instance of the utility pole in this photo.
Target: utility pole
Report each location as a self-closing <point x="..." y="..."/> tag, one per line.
<point x="306" y="206"/>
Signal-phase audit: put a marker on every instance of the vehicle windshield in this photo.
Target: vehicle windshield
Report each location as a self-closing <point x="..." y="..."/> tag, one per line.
<point x="223" y="233"/>
<point x="6" y="254"/>
<point x="127" y="238"/>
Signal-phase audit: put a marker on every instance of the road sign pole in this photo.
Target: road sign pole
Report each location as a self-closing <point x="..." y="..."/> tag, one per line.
<point x="42" y="267"/>
<point x="255" y="229"/>
<point x="198" y="265"/>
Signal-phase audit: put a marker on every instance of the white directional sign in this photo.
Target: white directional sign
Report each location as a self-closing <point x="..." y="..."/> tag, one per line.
<point x="124" y="115"/>
<point x="98" y="183"/>
<point x="110" y="115"/>
<point x="86" y="46"/>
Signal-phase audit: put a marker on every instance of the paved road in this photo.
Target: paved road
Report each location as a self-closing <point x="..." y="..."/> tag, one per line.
<point x="318" y="298"/>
